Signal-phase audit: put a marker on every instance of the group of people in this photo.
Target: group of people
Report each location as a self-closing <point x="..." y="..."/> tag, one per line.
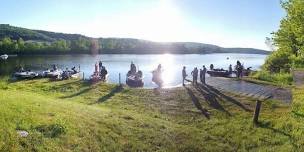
<point x="202" y="74"/>
<point x="100" y="71"/>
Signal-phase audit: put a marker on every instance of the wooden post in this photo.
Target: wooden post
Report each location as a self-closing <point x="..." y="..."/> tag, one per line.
<point x="257" y="112"/>
<point x="83" y="75"/>
<point x="119" y="80"/>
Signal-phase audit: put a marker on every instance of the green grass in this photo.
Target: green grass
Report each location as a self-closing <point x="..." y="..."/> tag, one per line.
<point x="278" y="79"/>
<point x="76" y="116"/>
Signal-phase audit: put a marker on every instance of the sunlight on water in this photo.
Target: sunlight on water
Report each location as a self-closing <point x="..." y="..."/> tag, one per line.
<point x="167" y="62"/>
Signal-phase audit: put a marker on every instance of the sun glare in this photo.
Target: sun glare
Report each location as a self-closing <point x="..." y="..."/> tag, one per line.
<point x="162" y="23"/>
<point x="167" y="62"/>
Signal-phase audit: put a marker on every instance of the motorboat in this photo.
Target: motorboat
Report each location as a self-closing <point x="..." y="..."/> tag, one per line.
<point x="4" y="56"/>
<point x="135" y="79"/>
<point x="52" y="73"/>
<point x="96" y="77"/>
<point x="25" y="74"/>
<point x="219" y="73"/>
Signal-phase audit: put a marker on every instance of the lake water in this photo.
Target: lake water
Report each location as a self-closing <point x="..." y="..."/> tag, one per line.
<point x="115" y="64"/>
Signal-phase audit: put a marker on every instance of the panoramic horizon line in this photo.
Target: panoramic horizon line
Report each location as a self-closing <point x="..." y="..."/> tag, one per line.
<point x="100" y="37"/>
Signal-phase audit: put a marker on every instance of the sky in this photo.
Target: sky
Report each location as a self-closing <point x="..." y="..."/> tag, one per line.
<point x="227" y="23"/>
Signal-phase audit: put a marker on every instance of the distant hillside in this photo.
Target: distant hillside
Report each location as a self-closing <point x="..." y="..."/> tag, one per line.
<point x="26" y="41"/>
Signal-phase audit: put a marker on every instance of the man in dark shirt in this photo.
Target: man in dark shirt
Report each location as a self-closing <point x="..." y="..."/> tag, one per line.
<point x="184" y="75"/>
<point x="194" y="75"/>
<point x="203" y="74"/>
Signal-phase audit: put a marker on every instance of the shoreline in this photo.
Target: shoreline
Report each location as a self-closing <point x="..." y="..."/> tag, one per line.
<point x="57" y="54"/>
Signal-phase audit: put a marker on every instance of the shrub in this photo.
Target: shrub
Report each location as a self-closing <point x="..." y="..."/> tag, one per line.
<point x="278" y="61"/>
<point x="297" y="62"/>
<point x="278" y="78"/>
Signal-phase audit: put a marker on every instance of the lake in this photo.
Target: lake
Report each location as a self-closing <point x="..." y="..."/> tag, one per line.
<point x="115" y="64"/>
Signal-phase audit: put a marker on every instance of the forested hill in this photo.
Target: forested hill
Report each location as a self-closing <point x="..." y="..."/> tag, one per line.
<point x="16" y="40"/>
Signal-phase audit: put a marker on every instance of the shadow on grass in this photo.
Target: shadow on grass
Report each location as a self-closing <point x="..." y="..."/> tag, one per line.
<point x="197" y="103"/>
<point x="115" y="90"/>
<point x="214" y="93"/>
<point x="267" y="125"/>
<point x="78" y="93"/>
<point x="212" y="99"/>
<point x="82" y="84"/>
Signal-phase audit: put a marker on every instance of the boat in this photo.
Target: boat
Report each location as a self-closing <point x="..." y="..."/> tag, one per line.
<point x="245" y="72"/>
<point x="4" y="56"/>
<point x="70" y="74"/>
<point x="52" y="73"/>
<point x="219" y="73"/>
<point x="25" y="74"/>
<point x="135" y="79"/>
<point x="96" y="77"/>
<point x="76" y="75"/>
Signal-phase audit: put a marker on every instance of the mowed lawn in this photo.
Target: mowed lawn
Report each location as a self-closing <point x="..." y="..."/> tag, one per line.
<point x="74" y="115"/>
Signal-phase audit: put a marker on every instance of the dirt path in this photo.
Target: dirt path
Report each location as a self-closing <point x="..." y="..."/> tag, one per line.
<point x="257" y="91"/>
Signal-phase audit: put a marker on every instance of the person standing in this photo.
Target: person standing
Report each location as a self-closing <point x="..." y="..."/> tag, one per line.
<point x="230" y="69"/>
<point x="203" y="74"/>
<point x="157" y="76"/>
<point x="194" y="74"/>
<point x="103" y="73"/>
<point x="184" y="74"/>
<point x="132" y="68"/>
<point x="239" y="69"/>
<point x="100" y="64"/>
<point x="96" y="72"/>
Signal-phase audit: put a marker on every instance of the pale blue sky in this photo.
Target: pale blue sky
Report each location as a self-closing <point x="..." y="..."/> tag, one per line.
<point x="228" y="23"/>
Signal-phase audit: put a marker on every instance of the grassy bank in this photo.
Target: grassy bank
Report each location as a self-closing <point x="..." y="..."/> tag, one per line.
<point x="277" y="79"/>
<point x="76" y="116"/>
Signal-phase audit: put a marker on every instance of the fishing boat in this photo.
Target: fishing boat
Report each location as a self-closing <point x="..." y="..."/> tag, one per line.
<point x="245" y="72"/>
<point x="52" y="73"/>
<point x="135" y="79"/>
<point x="4" y="56"/>
<point x="219" y="73"/>
<point x="25" y="74"/>
<point x="96" y="78"/>
<point x="76" y="75"/>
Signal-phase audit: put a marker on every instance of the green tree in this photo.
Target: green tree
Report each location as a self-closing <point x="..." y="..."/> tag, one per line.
<point x="60" y="45"/>
<point x="289" y="39"/>
<point x="7" y="45"/>
<point x="81" y="44"/>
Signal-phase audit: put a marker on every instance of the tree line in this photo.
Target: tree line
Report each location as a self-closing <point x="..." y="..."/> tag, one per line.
<point x="61" y="46"/>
